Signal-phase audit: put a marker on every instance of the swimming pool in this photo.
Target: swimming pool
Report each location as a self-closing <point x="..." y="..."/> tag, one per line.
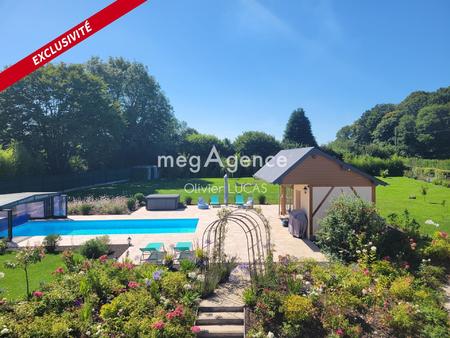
<point x="104" y="227"/>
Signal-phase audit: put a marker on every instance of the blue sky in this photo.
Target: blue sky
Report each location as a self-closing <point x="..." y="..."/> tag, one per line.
<point x="234" y="65"/>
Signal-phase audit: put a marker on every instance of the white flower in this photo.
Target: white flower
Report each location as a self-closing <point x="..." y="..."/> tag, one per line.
<point x="201" y="278"/>
<point x="192" y="275"/>
<point x="307" y="283"/>
<point x="299" y="276"/>
<point x="373" y="248"/>
<point x="370" y="243"/>
<point x="364" y="250"/>
<point x="358" y="251"/>
<point x="5" y="330"/>
<point x="2" y="275"/>
<point x="187" y="286"/>
<point x="270" y="335"/>
<point x="430" y="222"/>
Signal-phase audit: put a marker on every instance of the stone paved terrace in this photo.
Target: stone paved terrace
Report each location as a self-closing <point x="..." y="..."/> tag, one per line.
<point x="283" y="242"/>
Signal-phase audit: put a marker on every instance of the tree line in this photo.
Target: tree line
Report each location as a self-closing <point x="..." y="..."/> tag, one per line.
<point x="419" y="126"/>
<point x="67" y="118"/>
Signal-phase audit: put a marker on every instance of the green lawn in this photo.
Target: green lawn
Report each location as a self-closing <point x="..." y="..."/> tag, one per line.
<point x="391" y="198"/>
<point x="13" y="285"/>
<point x="395" y="198"/>
<point x="204" y="187"/>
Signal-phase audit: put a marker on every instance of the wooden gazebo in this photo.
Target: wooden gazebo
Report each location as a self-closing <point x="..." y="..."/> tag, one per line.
<point x="310" y="179"/>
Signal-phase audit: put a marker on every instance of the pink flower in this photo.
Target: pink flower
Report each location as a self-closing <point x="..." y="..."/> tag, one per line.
<point x="340" y="332"/>
<point x="158" y="325"/>
<point x="366" y="271"/>
<point x="195" y="329"/>
<point x="38" y="294"/>
<point x="59" y="270"/>
<point x="178" y="312"/>
<point x="133" y="285"/>
<point x="387" y="258"/>
<point x="406" y="265"/>
<point x="103" y="258"/>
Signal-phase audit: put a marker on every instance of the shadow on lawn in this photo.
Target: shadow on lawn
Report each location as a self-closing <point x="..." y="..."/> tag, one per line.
<point x="149" y="187"/>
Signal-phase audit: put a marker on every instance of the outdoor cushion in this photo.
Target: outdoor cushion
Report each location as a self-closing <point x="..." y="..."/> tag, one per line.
<point x="183" y="246"/>
<point x="156" y="246"/>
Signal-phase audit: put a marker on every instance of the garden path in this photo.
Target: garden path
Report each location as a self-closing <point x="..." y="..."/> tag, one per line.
<point x="222" y="314"/>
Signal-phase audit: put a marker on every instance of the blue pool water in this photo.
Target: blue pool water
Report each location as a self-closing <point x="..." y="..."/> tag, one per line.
<point x="105" y="227"/>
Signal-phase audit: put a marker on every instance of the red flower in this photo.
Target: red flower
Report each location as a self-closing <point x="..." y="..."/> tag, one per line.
<point x="406" y="265"/>
<point x="340" y="332"/>
<point x="38" y="294"/>
<point x="443" y="234"/>
<point x="387" y="258"/>
<point x="366" y="272"/>
<point x="195" y="329"/>
<point x="133" y="285"/>
<point x="103" y="258"/>
<point x="59" y="270"/>
<point x="158" y="325"/>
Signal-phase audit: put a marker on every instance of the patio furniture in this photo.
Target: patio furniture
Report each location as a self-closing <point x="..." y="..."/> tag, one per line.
<point x="163" y="201"/>
<point x="150" y="248"/>
<point x="201" y="203"/>
<point x="239" y="200"/>
<point x="183" y="246"/>
<point x="156" y="257"/>
<point x="183" y="251"/>
<point x="249" y="203"/>
<point x="188" y="255"/>
<point x="215" y="201"/>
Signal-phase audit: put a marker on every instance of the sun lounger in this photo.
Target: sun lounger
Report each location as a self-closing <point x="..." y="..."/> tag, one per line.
<point x="239" y="200"/>
<point x="150" y="248"/>
<point x="214" y="201"/>
<point x="201" y="203"/>
<point x="156" y="257"/>
<point x="186" y="255"/>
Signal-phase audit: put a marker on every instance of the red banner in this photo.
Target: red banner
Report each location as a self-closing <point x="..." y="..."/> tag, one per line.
<point x="66" y="41"/>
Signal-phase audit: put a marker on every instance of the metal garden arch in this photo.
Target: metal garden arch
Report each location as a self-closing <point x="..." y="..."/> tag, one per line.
<point x="257" y="235"/>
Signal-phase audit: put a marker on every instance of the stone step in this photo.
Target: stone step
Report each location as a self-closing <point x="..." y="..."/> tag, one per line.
<point x="221" y="331"/>
<point x="221" y="308"/>
<point x="220" y="318"/>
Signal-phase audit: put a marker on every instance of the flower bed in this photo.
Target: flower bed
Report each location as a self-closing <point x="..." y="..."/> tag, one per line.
<point x="100" y="206"/>
<point x="105" y="298"/>
<point x="369" y="298"/>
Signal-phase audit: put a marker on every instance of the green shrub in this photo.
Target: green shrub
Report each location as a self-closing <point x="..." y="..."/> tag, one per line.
<point x="96" y="247"/>
<point x="349" y="222"/>
<point x="439" y="249"/>
<point x="188" y="200"/>
<point x="298" y="309"/>
<point x="262" y="199"/>
<point x="375" y="165"/>
<point x="140" y="197"/>
<point x="3" y="246"/>
<point x="50" y="242"/>
<point x="131" y="204"/>
<point x="249" y="297"/>
<point x="173" y="284"/>
<point x="86" y="208"/>
<point x="402" y="319"/>
<point x="401" y="288"/>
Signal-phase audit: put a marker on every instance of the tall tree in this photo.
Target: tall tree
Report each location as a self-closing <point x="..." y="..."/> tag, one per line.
<point x="151" y="127"/>
<point x="65" y="112"/>
<point x="298" y="130"/>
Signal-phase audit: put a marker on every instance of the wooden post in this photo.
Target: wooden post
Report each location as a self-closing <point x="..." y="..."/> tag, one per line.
<point x="374" y="194"/>
<point x="310" y="212"/>
<point x="283" y="199"/>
